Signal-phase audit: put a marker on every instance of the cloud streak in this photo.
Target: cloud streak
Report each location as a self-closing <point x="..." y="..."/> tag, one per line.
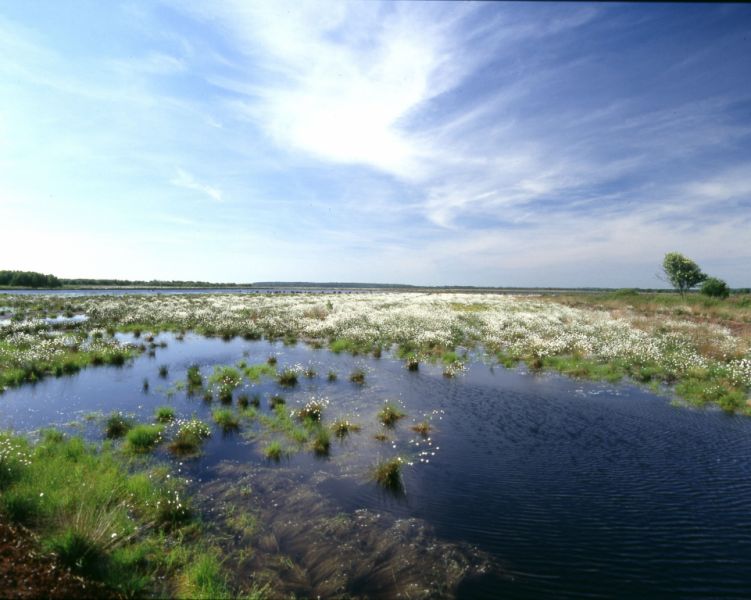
<point x="427" y="142"/>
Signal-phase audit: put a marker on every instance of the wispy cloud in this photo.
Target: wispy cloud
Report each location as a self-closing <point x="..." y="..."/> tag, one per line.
<point x="426" y="142"/>
<point x="185" y="180"/>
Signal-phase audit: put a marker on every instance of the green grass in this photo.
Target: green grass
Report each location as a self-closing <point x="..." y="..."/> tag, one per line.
<point x="388" y="474"/>
<point x="321" y="441"/>
<point x="117" y="425"/>
<point x="165" y="414"/>
<point x="194" y="377"/>
<point x="189" y="437"/>
<point x="226" y="377"/>
<point x="276" y="400"/>
<point x="390" y="414"/>
<point x="144" y="438"/>
<point x="342" y="428"/>
<point x="255" y="372"/>
<point x="226" y="419"/>
<point x="287" y="378"/>
<point x="103" y="521"/>
<point x="280" y="421"/>
<point x="274" y="451"/>
<point x="311" y="412"/>
<point x="204" y="578"/>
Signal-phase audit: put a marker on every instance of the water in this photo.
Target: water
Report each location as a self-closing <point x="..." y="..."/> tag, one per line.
<point x="533" y="485"/>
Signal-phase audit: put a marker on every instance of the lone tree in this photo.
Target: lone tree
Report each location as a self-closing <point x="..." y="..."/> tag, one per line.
<point x="682" y="272"/>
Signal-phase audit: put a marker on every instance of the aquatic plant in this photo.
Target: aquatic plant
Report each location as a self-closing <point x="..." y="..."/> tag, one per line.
<point x="343" y="427"/>
<point x="226" y="419"/>
<point x="309" y="372"/>
<point x="321" y="441"/>
<point x="194" y="377"/>
<point x="163" y="371"/>
<point x="390" y="414"/>
<point x="189" y="437"/>
<point x="388" y="474"/>
<point x="117" y="425"/>
<point x="288" y="377"/>
<point x="143" y="438"/>
<point x="412" y="363"/>
<point x="243" y="400"/>
<point x="312" y="410"/>
<point x="165" y="414"/>
<point x="357" y="376"/>
<point x="273" y="451"/>
<point x="423" y="428"/>
<point x="225" y="377"/>
<point x="332" y="376"/>
<point x="255" y="372"/>
<point x="276" y="400"/>
<point x="271" y="360"/>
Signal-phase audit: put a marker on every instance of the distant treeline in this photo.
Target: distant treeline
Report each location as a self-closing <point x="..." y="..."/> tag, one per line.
<point x="144" y="283"/>
<point x="30" y="279"/>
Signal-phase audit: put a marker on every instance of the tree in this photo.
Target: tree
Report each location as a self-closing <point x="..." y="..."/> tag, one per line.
<point x="716" y="288"/>
<point x="682" y="272"/>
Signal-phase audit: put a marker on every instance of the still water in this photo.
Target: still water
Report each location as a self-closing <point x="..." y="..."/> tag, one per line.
<point x="527" y="485"/>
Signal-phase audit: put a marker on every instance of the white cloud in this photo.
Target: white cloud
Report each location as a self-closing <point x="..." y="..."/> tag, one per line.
<point x="185" y="180"/>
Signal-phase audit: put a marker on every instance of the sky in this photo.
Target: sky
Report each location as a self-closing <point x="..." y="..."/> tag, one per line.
<point x="498" y="144"/>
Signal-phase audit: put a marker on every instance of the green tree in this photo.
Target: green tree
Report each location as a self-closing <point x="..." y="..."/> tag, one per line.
<point x="716" y="288"/>
<point x="682" y="272"/>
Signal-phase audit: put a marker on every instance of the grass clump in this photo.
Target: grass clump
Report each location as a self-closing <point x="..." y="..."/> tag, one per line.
<point x="388" y="474"/>
<point x="226" y="419"/>
<point x="165" y="414"/>
<point x="255" y="372"/>
<point x="274" y="451"/>
<point x="390" y="414"/>
<point x="412" y="363"/>
<point x="321" y="441"/>
<point x="163" y="371"/>
<point x="342" y="428"/>
<point x="332" y="376"/>
<point x="189" y="437"/>
<point x="276" y="400"/>
<point x="288" y="377"/>
<point x="423" y="428"/>
<point x="357" y="376"/>
<point x="204" y="578"/>
<point x="312" y="411"/>
<point x="117" y="425"/>
<point x="144" y="438"/>
<point x="194" y="377"/>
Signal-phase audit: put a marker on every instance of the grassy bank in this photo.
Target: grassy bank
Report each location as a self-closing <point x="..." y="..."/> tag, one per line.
<point x="129" y="527"/>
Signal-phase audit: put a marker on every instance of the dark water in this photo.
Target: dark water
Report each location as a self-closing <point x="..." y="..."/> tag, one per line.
<point x="578" y="489"/>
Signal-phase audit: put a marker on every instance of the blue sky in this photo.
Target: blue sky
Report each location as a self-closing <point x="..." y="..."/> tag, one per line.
<point x="449" y="143"/>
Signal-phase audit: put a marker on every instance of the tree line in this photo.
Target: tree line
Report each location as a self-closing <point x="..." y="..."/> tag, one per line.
<point x="30" y="279"/>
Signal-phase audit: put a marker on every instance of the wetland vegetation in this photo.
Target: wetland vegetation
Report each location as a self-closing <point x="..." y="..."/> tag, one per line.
<point x="176" y="506"/>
